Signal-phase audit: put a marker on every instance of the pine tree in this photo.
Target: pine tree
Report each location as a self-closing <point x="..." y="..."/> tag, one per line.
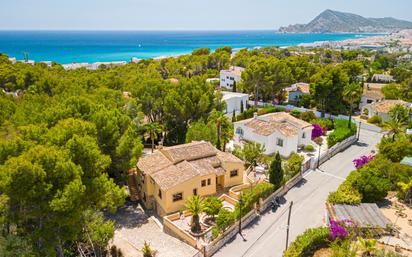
<point x="276" y="171"/>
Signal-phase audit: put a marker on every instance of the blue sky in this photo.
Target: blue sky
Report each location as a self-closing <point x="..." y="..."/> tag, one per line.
<point x="182" y="14"/>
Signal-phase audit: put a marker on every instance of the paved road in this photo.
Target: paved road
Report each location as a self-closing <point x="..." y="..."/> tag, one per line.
<point x="267" y="236"/>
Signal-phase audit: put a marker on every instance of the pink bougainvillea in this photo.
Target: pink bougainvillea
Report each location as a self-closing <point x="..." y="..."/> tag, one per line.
<point x="337" y="230"/>
<point x="317" y="131"/>
<point x="359" y="162"/>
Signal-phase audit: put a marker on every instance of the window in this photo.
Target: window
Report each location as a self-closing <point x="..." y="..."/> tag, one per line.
<point x="195" y="191"/>
<point x="160" y="194"/>
<point x="209" y="181"/>
<point x="279" y="142"/>
<point x="232" y="78"/>
<point x="239" y="131"/>
<point x="369" y="101"/>
<point x="177" y="197"/>
<point x="233" y="173"/>
<point x="204" y="183"/>
<point x="304" y="135"/>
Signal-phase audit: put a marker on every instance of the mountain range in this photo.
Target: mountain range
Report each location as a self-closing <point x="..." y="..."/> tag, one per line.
<point x="331" y="21"/>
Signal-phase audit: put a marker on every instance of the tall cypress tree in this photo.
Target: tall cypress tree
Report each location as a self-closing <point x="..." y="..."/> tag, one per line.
<point x="242" y="108"/>
<point x="234" y="86"/>
<point x="276" y="171"/>
<point x="234" y="116"/>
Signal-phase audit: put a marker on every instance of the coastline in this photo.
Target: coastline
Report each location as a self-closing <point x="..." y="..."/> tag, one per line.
<point x="85" y="47"/>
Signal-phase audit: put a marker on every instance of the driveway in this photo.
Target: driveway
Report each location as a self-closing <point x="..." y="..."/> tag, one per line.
<point x="133" y="227"/>
<point x="266" y="237"/>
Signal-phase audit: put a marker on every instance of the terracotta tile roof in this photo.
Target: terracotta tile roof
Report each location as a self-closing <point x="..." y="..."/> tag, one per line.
<point x="373" y="94"/>
<point x="153" y="162"/>
<point x="189" y="152"/>
<point x="228" y="157"/>
<point x="281" y="122"/>
<point x="171" y="166"/>
<point x="301" y="87"/>
<point x="173" y="175"/>
<point x="386" y="105"/>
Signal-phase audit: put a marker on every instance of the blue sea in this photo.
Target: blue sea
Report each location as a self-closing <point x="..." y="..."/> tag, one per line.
<point x="93" y="46"/>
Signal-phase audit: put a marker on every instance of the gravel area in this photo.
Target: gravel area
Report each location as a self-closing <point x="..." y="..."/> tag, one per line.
<point x="133" y="227"/>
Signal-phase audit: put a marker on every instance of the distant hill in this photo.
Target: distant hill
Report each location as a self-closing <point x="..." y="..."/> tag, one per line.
<point x="331" y="21"/>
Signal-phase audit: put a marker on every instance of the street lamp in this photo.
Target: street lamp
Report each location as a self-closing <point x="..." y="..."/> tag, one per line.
<point x="360" y="124"/>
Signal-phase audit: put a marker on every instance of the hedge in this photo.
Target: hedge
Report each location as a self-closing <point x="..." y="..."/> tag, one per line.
<point x="308" y="242"/>
<point x="341" y="132"/>
<point x="324" y="123"/>
<point x="252" y="195"/>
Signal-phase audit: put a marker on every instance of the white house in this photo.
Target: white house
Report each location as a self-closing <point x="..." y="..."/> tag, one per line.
<point x="278" y="131"/>
<point x="382" y="108"/>
<point x="372" y="93"/>
<point x="234" y="101"/>
<point x="295" y="91"/>
<point x="228" y="77"/>
<point x="384" y="78"/>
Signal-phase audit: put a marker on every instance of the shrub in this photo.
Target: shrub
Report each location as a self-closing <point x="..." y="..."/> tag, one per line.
<point x="224" y="219"/>
<point x="246" y="114"/>
<point x="293" y="166"/>
<point x="324" y="123"/>
<point x="318" y="140"/>
<point x="375" y="120"/>
<point x="337" y="230"/>
<point x="338" y="135"/>
<point x="307" y="116"/>
<point x="296" y="113"/>
<point x="317" y="131"/>
<point x="309" y="148"/>
<point x="215" y="232"/>
<point x="270" y="109"/>
<point x="250" y="196"/>
<point x="308" y="242"/>
<point x="212" y="205"/>
<point x="346" y="192"/>
<point x="395" y="150"/>
<point x="361" y="161"/>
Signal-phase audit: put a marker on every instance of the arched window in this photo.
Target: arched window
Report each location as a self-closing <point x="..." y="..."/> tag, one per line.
<point x="239" y="131"/>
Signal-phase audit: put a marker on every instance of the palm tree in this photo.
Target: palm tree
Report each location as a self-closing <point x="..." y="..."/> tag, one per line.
<point x="147" y="251"/>
<point x="351" y="94"/>
<point x="153" y="129"/>
<point x="195" y="206"/>
<point x="219" y="119"/>
<point x="394" y="127"/>
<point x="368" y="246"/>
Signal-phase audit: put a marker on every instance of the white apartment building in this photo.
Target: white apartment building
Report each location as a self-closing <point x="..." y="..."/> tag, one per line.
<point x="228" y="77"/>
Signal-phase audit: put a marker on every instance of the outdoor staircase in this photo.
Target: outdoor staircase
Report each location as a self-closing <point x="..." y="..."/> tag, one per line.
<point x="132" y="184"/>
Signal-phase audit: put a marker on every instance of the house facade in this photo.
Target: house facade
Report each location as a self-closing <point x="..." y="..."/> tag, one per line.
<point x="169" y="176"/>
<point x="295" y="91"/>
<point x="230" y="76"/>
<point x="372" y="93"/>
<point x="234" y="101"/>
<point x="278" y="131"/>
<point x="382" y="108"/>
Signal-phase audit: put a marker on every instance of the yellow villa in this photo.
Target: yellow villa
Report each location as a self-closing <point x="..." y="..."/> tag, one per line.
<point x="166" y="178"/>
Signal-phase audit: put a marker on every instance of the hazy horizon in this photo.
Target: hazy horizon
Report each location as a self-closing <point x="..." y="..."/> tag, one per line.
<point x="182" y="15"/>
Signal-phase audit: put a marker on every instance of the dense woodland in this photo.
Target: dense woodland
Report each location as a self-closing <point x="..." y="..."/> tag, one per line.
<point x="69" y="137"/>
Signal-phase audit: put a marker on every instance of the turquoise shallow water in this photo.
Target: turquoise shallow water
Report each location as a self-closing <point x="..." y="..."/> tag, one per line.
<point x="93" y="46"/>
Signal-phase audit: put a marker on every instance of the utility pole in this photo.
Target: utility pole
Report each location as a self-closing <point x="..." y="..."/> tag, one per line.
<point x="288" y="226"/>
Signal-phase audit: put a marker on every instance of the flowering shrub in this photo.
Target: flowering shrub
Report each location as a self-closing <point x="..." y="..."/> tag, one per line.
<point x="337" y="230"/>
<point x="359" y="162"/>
<point x="317" y="131"/>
